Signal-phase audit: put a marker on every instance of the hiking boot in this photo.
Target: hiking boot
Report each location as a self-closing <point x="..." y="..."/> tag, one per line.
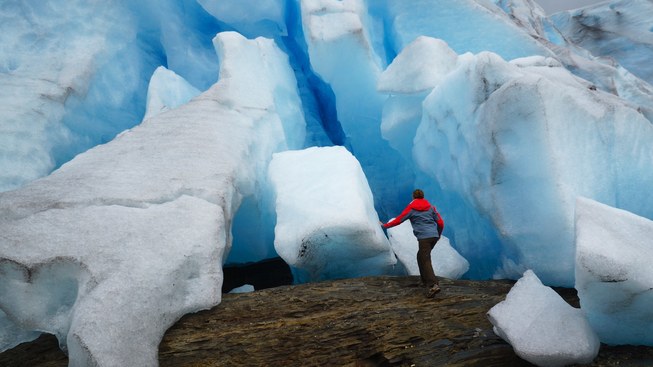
<point x="432" y="291"/>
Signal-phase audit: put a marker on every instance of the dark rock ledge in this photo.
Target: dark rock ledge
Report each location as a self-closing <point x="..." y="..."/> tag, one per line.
<point x="375" y="321"/>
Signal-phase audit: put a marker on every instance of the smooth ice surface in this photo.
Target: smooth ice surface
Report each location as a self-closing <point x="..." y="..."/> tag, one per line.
<point x="339" y="44"/>
<point x="326" y="223"/>
<point x="446" y="261"/>
<point x="247" y="288"/>
<point x="614" y="277"/>
<point x="252" y="18"/>
<point x="491" y="29"/>
<point x="111" y="249"/>
<point x="542" y="327"/>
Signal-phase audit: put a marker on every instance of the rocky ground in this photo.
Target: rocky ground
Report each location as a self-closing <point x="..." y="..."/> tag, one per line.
<point x="376" y="321"/>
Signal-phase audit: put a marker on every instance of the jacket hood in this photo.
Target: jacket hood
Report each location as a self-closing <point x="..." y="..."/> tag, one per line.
<point x="420" y="204"/>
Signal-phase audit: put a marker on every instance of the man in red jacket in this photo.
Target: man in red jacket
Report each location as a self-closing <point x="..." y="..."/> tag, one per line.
<point x="427" y="227"/>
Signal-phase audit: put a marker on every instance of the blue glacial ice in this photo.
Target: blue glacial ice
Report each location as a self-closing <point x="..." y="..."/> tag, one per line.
<point x="122" y="127"/>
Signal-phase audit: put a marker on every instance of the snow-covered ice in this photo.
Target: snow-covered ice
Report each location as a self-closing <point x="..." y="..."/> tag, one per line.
<point x="326" y="223"/>
<point x="542" y="327"/>
<point x="446" y="261"/>
<point x="614" y="277"/>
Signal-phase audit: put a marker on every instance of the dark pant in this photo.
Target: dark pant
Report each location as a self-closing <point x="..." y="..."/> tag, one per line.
<point x="424" y="260"/>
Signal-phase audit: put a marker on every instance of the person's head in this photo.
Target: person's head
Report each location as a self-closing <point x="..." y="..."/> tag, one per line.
<point x="418" y="194"/>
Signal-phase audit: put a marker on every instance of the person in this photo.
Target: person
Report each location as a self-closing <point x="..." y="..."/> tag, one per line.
<point x="427" y="227"/>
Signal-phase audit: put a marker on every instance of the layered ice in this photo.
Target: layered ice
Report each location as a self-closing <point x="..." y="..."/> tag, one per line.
<point x="326" y="223"/>
<point x="614" y="278"/>
<point x="53" y="60"/>
<point x="619" y="29"/>
<point x="446" y="261"/>
<point x="112" y="248"/>
<point x="541" y="327"/>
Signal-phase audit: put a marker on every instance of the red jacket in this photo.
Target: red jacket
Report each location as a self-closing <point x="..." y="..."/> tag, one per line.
<point x="423" y="216"/>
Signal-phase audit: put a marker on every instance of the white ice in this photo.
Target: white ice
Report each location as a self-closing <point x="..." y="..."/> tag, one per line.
<point x="614" y="277"/>
<point x="542" y="327"/>
<point x="167" y="90"/>
<point x="326" y="223"/>
<point x="247" y="288"/>
<point x="447" y="262"/>
<point x="111" y="249"/>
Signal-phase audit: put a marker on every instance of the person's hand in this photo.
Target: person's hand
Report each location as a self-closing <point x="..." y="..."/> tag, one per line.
<point x="381" y="223"/>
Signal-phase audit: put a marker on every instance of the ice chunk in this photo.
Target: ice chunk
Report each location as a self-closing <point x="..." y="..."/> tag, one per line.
<point x="419" y="67"/>
<point x="446" y="261"/>
<point x="112" y="248"/>
<point x="167" y="90"/>
<point x="326" y="223"/>
<point x="247" y="288"/>
<point x="614" y="277"/>
<point x="543" y="328"/>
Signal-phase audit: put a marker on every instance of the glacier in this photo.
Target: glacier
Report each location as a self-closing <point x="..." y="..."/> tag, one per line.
<point x="138" y="135"/>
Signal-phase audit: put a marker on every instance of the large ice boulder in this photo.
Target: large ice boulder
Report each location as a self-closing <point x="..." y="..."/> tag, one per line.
<point x="543" y="328"/>
<point x="447" y="262"/>
<point x="110" y="250"/>
<point x="614" y="277"/>
<point x="326" y="223"/>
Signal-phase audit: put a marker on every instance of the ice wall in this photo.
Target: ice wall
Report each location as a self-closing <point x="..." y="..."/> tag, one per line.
<point x="111" y="249"/>
<point x="511" y="145"/>
<point x="618" y="29"/>
<point x="75" y="74"/>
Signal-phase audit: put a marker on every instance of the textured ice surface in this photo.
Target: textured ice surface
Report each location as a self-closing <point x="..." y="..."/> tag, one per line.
<point x="617" y="29"/>
<point x="543" y="328"/>
<point x="326" y="223"/>
<point x="614" y="277"/>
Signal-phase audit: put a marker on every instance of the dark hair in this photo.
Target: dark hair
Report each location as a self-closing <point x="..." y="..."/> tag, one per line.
<point x="418" y="194"/>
